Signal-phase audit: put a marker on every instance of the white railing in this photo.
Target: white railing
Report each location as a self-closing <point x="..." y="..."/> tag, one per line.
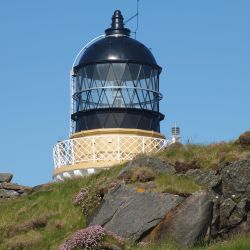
<point x="94" y="149"/>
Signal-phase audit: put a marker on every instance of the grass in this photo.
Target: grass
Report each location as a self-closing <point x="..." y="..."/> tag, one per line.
<point x="45" y="218"/>
<point x="238" y="242"/>
<point x="167" y="183"/>
<point x="176" y="184"/>
<point x="53" y="206"/>
<point x="204" y="156"/>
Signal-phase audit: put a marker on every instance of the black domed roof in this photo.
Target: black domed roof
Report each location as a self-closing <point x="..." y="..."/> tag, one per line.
<point x="117" y="46"/>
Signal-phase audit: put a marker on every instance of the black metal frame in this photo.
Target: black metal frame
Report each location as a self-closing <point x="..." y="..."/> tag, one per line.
<point x="116" y="83"/>
<point x="118" y="118"/>
<point x="122" y="95"/>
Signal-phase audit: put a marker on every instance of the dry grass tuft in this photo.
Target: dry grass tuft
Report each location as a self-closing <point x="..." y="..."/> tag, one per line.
<point x="138" y="174"/>
<point x="27" y="226"/>
<point x="23" y="241"/>
<point x="142" y="174"/>
<point x="21" y="211"/>
<point x="183" y="167"/>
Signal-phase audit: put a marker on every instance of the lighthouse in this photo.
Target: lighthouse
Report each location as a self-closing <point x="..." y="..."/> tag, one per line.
<point x="114" y="105"/>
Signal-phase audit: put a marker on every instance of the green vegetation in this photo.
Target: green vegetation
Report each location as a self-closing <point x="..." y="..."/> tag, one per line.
<point x="238" y="242"/>
<point x="175" y="184"/>
<point x="44" y="219"/>
<point x="203" y="156"/>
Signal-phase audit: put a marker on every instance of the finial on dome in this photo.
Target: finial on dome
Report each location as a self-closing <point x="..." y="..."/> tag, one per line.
<point x="117" y="26"/>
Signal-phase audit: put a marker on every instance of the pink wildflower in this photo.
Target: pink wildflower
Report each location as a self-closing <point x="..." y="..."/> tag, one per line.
<point x="88" y="239"/>
<point x="81" y="196"/>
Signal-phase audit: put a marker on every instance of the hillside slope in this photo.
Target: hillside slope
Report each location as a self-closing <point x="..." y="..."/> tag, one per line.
<point x="45" y="218"/>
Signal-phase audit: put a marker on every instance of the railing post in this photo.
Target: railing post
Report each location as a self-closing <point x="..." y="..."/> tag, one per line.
<point x="59" y="156"/>
<point x="72" y="151"/>
<point x="93" y="148"/>
<point x="143" y="142"/>
<point x="118" y="148"/>
<point x="55" y="157"/>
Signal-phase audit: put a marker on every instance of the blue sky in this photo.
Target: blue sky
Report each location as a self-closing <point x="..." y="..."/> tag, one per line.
<point x="202" y="46"/>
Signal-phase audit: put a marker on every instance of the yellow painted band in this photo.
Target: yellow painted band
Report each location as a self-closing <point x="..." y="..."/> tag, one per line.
<point x="84" y="165"/>
<point x="117" y="131"/>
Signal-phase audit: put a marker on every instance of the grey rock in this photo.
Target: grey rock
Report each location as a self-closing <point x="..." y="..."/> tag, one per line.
<point x="6" y="177"/>
<point x="188" y="223"/>
<point x="236" y="178"/>
<point x="238" y="214"/>
<point x="235" y="189"/>
<point x="206" y="178"/>
<point x="8" y="193"/>
<point x="237" y="230"/>
<point x="19" y="188"/>
<point x="242" y="206"/>
<point x="195" y="173"/>
<point x="226" y="208"/>
<point x="155" y="164"/>
<point x="232" y="217"/>
<point x="248" y="192"/>
<point x="215" y="224"/>
<point x="129" y="214"/>
<point x="215" y="183"/>
<point x="248" y="222"/>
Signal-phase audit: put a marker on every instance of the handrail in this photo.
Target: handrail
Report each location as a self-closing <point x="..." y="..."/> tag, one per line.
<point x="72" y="81"/>
<point x="80" y="52"/>
<point x="117" y="148"/>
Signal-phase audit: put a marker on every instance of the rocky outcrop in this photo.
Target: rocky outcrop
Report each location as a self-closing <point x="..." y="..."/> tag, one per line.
<point x="11" y="190"/>
<point x="235" y="178"/>
<point x="8" y="193"/>
<point x="244" y="139"/>
<point x="146" y="167"/>
<point x="233" y="199"/>
<point x="230" y="191"/>
<point x="5" y="177"/>
<point x="220" y="210"/>
<point x="209" y="179"/>
<point x="187" y="223"/>
<point x="131" y="214"/>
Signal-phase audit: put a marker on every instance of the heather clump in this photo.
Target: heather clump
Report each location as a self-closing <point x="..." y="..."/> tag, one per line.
<point x="80" y="196"/>
<point x="88" y="199"/>
<point x="87" y="239"/>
